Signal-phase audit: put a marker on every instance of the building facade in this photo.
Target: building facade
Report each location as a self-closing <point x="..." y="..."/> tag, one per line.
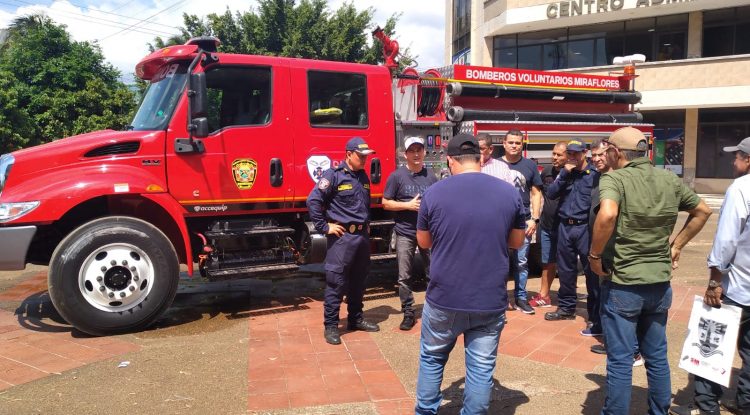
<point x="695" y="81"/>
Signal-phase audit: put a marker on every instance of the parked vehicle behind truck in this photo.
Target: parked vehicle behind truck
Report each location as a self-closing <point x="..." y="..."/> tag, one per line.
<point x="223" y="151"/>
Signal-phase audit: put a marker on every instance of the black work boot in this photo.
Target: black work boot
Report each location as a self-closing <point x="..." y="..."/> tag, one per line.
<point x="331" y="333"/>
<point x="363" y="326"/>
<point x="560" y="314"/>
<point x="407" y="323"/>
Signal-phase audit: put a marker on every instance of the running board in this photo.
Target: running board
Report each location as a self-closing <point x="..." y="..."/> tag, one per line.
<point x="250" y="271"/>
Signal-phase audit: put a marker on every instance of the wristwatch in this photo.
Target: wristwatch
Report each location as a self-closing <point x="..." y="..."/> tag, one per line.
<point x="714" y="284"/>
<point x="536" y="220"/>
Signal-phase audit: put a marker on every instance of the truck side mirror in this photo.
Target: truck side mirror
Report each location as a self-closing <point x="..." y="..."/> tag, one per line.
<point x="199" y="127"/>
<point x="197" y="95"/>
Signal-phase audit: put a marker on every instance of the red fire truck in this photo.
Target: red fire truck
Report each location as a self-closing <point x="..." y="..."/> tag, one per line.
<point x="223" y="152"/>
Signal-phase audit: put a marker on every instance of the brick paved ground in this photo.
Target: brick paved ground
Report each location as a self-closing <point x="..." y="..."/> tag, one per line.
<point x="290" y="367"/>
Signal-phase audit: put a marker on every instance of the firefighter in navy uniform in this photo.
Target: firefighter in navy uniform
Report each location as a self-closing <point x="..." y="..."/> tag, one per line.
<point x="340" y="208"/>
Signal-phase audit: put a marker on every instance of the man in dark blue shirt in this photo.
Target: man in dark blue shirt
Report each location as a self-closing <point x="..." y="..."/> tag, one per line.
<point x="340" y="208"/>
<point x="469" y="269"/>
<point x="573" y="187"/>
<point x="402" y="194"/>
<point x="529" y="184"/>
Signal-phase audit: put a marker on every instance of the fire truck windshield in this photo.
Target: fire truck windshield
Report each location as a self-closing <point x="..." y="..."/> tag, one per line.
<point x="161" y="97"/>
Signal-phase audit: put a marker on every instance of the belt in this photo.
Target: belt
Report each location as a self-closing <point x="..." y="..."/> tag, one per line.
<point x="354" y="227"/>
<point x="570" y="221"/>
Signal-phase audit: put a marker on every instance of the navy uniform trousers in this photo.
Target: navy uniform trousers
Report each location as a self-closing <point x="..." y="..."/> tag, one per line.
<point x="347" y="265"/>
<point x="572" y="243"/>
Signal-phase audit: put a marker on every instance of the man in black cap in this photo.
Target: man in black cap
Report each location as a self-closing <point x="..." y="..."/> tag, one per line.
<point x="340" y="208"/>
<point x="468" y="271"/>
<point x="573" y="186"/>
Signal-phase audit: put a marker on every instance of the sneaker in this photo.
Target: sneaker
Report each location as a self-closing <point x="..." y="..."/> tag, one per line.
<point x="559" y="315"/>
<point x="407" y="323"/>
<point x="637" y="360"/>
<point x="598" y="349"/>
<point x="511" y="307"/>
<point x="539" y="301"/>
<point x="689" y="409"/>
<point x="588" y="333"/>
<point x="524" y="306"/>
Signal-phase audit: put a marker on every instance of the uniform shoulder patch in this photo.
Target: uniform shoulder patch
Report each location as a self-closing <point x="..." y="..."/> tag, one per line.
<point x="323" y="184"/>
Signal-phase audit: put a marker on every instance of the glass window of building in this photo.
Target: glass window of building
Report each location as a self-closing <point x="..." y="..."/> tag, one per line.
<point x="461" y="25"/>
<point x="719" y="128"/>
<point x="639" y="37"/>
<point x="725" y="31"/>
<point x="662" y="38"/>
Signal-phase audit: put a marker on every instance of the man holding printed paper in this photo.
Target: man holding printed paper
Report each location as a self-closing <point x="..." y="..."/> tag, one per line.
<point x="729" y="283"/>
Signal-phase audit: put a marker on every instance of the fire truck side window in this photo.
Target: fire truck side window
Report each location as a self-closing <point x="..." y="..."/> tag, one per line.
<point x="238" y="96"/>
<point x="337" y="99"/>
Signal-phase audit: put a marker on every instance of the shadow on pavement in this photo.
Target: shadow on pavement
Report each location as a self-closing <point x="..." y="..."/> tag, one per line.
<point x="502" y="400"/>
<point x="595" y="398"/>
<point x="37" y="313"/>
<point x="201" y="300"/>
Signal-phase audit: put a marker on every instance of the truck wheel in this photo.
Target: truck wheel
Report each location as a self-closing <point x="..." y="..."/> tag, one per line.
<point x="113" y="275"/>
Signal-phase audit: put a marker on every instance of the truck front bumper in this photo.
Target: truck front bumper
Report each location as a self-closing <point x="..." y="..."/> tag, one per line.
<point x="14" y="244"/>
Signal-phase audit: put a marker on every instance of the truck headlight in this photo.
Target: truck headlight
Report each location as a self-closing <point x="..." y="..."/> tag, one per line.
<point x="6" y="162"/>
<point x="10" y="211"/>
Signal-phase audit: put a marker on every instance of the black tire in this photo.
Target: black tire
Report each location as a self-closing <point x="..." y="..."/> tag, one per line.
<point x="147" y="285"/>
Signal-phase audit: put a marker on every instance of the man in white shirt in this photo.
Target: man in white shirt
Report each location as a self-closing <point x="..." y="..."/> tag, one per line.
<point x="729" y="283"/>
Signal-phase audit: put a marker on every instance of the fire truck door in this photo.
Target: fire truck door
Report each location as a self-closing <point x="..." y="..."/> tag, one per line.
<point x="247" y="163"/>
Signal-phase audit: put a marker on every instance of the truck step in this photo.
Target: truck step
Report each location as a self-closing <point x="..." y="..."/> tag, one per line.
<point x="249" y="271"/>
<point x="249" y="232"/>
<point x="382" y="257"/>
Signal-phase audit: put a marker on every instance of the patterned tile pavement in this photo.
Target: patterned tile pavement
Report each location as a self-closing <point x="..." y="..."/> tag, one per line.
<point x="289" y="364"/>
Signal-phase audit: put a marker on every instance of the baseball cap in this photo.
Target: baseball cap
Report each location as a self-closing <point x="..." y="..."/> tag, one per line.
<point x="575" y="145"/>
<point x="359" y="145"/>
<point x="628" y="138"/>
<point x="743" y="146"/>
<point x="463" y="144"/>
<point x="408" y="141"/>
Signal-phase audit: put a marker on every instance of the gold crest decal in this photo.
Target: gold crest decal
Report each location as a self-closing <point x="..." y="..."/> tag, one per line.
<point x="244" y="172"/>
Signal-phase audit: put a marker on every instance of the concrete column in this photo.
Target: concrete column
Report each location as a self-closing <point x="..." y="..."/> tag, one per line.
<point x="695" y="35"/>
<point x="448" y="32"/>
<point x="480" y="54"/>
<point x="691" y="146"/>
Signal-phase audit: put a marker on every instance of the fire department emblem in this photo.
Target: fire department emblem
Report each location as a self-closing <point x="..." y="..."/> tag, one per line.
<point x="711" y="335"/>
<point x="244" y="172"/>
<point x="316" y="165"/>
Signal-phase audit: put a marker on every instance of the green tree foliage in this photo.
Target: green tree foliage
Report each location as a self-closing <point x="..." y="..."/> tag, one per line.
<point x="308" y="29"/>
<point x="53" y="87"/>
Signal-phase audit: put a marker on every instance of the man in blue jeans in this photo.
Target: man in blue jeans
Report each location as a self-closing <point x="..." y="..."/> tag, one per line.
<point x="468" y="272"/>
<point x="529" y="185"/>
<point x="630" y="250"/>
<point x="729" y="263"/>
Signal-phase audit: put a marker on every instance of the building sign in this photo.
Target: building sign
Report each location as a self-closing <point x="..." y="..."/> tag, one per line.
<point x="572" y="8"/>
<point x="523" y="77"/>
<point x="462" y="58"/>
